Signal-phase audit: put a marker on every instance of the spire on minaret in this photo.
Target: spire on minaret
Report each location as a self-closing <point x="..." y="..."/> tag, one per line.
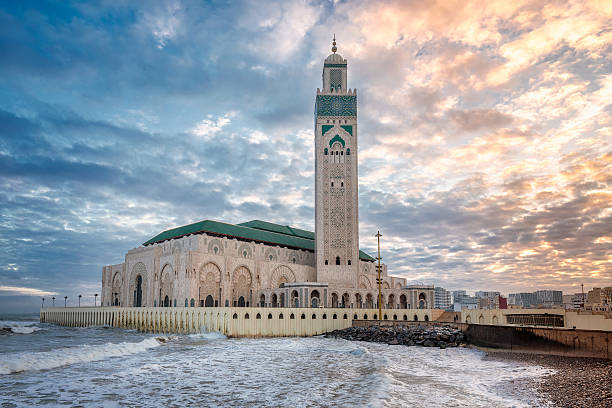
<point x="334" y="49"/>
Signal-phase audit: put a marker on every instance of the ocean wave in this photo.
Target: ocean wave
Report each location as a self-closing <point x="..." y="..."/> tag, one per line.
<point x="19" y="327"/>
<point x="44" y="360"/>
<point x="208" y="336"/>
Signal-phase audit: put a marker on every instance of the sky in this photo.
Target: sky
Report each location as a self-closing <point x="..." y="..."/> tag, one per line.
<point x="485" y="133"/>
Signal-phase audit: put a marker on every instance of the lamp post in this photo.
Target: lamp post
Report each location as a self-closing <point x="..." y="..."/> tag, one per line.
<point x="95" y="299"/>
<point x="53" y="298"/>
<point x="79" y="300"/>
<point x="43" y="303"/>
<point x="379" y="280"/>
<point x="65" y="300"/>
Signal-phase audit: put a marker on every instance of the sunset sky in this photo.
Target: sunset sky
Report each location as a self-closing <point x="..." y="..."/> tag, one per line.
<point x="485" y="133"/>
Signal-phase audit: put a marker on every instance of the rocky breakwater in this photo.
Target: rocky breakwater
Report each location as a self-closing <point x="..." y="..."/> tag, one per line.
<point x="439" y="336"/>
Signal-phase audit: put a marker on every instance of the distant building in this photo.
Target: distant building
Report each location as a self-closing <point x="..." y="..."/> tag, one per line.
<point x="488" y="299"/>
<point x="595" y="296"/>
<point x="443" y="299"/>
<point x="461" y="300"/>
<point x="503" y="302"/>
<point x="549" y="298"/>
<point x="575" y="301"/>
<point x="539" y="298"/>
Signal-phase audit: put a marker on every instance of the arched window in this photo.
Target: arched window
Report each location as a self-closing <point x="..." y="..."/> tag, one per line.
<point x="345" y="316"/>
<point x="269" y="315"/>
<point x="303" y="316"/>
<point x="246" y="316"/>
<point x="355" y="316"/>
<point x="192" y="302"/>
<point x="186" y="302"/>
<point x="292" y="316"/>
<point x="349" y="261"/>
<point x="324" y="316"/>
<point x="326" y="262"/>
<point x="314" y="316"/>
<point x="325" y="151"/>
<point x="235" y="316"/>
<point x="335" y="316"/>
<point x="348" y="152"/>
<point x="174" y="302"/>
<point x="332" y="183"/>
<point x="280" y="316"/>
<point x="337" y="260"/>
<point x="258" y="316"/>
<point x="342" y="184"/>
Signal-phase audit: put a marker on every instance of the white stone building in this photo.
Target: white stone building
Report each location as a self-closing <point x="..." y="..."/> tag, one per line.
<point x="211" y="263"/>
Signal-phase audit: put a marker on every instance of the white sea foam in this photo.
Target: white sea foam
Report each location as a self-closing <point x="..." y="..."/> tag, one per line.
<point x="20" y="327"/>
<point x="44" y="360"/>
<point x="208" y="336"/>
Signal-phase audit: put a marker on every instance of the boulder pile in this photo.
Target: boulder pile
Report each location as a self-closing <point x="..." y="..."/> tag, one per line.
<point x="437" y="336"/>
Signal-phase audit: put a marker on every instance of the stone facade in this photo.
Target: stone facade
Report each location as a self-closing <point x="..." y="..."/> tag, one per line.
<point x="269" y="265"/>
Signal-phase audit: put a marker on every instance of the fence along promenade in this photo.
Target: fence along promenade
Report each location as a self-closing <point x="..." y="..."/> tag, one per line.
<point x="231" y="321"/>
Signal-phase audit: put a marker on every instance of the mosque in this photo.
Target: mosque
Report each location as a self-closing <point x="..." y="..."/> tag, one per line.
<point x="257" y="263"/>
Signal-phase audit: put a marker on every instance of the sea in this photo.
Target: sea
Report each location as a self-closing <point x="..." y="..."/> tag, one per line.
<point x="47" y="365"/>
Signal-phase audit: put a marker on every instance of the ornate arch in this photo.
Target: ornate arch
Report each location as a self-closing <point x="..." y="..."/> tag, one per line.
<point x="139" y="269"/>
<point x="386" y="285"/>
<point x="245" y="251"/>
<point x="209" y="282"/>
<point x="270" y="255"/>
<point x="166" y="283"/>
<point x="215" y="243"/>
<point x="281" y="274"/>
<point x="364" y="282"/>
<point x="242" y="281"/>
<point x="116" y="287"/>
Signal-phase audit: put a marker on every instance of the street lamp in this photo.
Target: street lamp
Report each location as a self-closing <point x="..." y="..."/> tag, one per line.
<point x="79" y="300"/>
<point x="43" y="305"/>
<point x="65" y="299"/>
<point x="379" y="280"/>
<point x="95" y="299"/>
<point x="53" y="298"/>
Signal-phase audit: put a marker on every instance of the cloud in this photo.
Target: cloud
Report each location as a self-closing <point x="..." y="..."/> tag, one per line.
<point x="484" y="132"/>
<point x="26" y="291"/>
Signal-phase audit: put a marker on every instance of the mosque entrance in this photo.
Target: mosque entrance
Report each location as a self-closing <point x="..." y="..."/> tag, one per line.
<point x="241" y="302"/>
<point x="209" y="302"/>
<point x="138" y="292"/>
<point x="166" y="301"/>
<point x="421" y="301"/>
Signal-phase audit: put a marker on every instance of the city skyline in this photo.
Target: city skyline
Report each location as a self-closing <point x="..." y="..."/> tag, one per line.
<point x="484" y="134"/>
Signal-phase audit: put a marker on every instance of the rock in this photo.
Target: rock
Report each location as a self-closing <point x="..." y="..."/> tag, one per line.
<point x="428" y="343"/>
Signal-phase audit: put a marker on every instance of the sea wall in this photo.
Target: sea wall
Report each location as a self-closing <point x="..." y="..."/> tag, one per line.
<point x="558" y="341"/>
<point x="231" y="321"/>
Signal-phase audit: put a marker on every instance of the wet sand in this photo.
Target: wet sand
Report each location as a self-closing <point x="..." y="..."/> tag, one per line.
<point x="577" y="381"/>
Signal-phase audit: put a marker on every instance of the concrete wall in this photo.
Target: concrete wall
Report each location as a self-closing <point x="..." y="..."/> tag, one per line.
<point x="584" y="320"/>
<point x="233" y="322"/>
<point x="558" y="341"/>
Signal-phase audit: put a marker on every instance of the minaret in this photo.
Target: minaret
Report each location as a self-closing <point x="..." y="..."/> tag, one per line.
<point x="336" y="209"/>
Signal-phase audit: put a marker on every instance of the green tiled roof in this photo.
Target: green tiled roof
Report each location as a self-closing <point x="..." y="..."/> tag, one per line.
<point x="256" y="230"/>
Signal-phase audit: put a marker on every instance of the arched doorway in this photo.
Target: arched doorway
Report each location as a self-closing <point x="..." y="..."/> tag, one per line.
<point x="241" y="302"/>
<point x="274" y="300"/>
<point x="334" y="300"/>
<point x="358" y="301"/>
<point x="262" y="300"/>
<point x="282" y="299"/>
<point x="210" y="302"/>
<point x="116" y="302"/>
<point x="295" y="298"/>
<point x="346" y="300"/>
<point x="166" y="301"/>
<point x="314" y="298"/>
<point x="422" y="301"/>
<point x="403" y="302"/>
<point x="369" y="301"/>
<point x="138" y="292"/>
<point x="391" y="301"/>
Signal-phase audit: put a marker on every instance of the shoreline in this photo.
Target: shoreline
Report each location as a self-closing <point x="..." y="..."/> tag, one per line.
<point x="576" y="382"/>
